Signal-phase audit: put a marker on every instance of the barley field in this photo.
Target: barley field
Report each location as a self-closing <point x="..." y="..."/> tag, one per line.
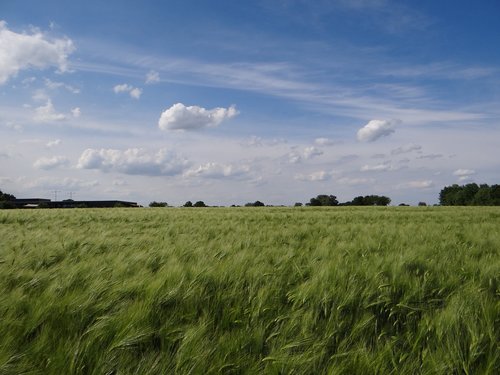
<point x="341" y="290"/>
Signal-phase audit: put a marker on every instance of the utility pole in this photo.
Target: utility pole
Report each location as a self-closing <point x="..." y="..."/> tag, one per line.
<point x="71" y="195"/>
<point x="55" y="194"/>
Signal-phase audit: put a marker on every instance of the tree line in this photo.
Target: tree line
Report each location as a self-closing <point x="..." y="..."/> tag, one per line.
<point x="470" y="195"/>
<point x="454" y="195"/>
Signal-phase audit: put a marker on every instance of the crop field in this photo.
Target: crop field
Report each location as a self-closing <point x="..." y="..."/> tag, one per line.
<point x="393" y="290"/>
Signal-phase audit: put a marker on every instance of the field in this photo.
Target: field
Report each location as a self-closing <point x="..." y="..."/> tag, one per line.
<point x="393" y="290"/>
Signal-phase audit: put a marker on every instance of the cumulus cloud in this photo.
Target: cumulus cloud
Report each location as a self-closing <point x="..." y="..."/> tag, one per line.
<point x="180" y="117"/>
<point x="51" y="163"/>
<point x="47" y="113"/>
<point x="217" y="170"/>
<point x="464" y="174"/>
<point x="134" y="92"/>
<point x="20" y="51"/>
<point x="133" y="161"/>
<point x="152" y="77"/>
<point x="406" y="149"/>
<point x="376" y="129"/>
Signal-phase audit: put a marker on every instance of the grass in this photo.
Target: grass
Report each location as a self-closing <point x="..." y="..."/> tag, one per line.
<point x="250" y="291"/>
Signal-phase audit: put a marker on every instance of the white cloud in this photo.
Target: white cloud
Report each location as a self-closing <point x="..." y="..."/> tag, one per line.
<point x="122" y="88"/>
<point x="324" y="142"/>
<point x="406" y="149"/>
<point x="47" y="113"/>
<point x="310" y="152"/>
<point x="76" y="112"/>
<point x="54" y="143"/>
<point x="307" y="153"/>
<point x="423" y="184"/>
<point x="315" y="176"/>
<point x="134" y="92"/>
<point x="180" y="117"/>
<point x="216" y="170"/>
<point x="152" y="77"/>
<point x="376" y="129"/>
<point x="51" y="163"/>
<point x="464" y="174"/>
<point x="133" y="161"/>
<point x="56" y="85"/>
<point x="379" y="168"/>
<point x="36" y="50"/>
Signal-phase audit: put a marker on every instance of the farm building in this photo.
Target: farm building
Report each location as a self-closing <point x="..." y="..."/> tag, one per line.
<point x="69" y="203"/>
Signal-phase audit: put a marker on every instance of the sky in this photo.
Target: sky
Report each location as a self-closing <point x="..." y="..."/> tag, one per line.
<point x="231" y="102"/>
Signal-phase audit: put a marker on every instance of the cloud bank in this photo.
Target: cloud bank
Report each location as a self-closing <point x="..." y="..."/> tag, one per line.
<point x="180" y="117"/>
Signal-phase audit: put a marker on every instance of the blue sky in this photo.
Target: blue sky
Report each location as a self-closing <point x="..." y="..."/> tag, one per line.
<point x="230" y="102"/>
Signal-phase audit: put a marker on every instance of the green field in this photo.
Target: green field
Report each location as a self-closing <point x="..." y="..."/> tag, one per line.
<point x="393" y="290"/>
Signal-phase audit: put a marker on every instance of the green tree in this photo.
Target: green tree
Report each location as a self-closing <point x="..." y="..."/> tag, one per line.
<point x="7" y="200"/>
<point x="255" y="204"/>
<point x="324" y="200"/>
<point x="158" y="204"/>
<point x="200" y="204"/>
<point x="188" y="204"/>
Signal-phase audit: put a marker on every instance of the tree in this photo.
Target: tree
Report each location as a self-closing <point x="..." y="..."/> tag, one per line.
<point x="7" y="200"/>
<point x="188" y="204"/>
<point x="470" y="194"/>
<point x="422" y="204"/>
<point x="158" y="204"/>
<point x="4" y="197"/>
<point x="200" y="204"/>
<point x="255" y="204"/>
<point x="370" y="200"/>
<point x="324" y="200"/>
<point x="297" y="204"/>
